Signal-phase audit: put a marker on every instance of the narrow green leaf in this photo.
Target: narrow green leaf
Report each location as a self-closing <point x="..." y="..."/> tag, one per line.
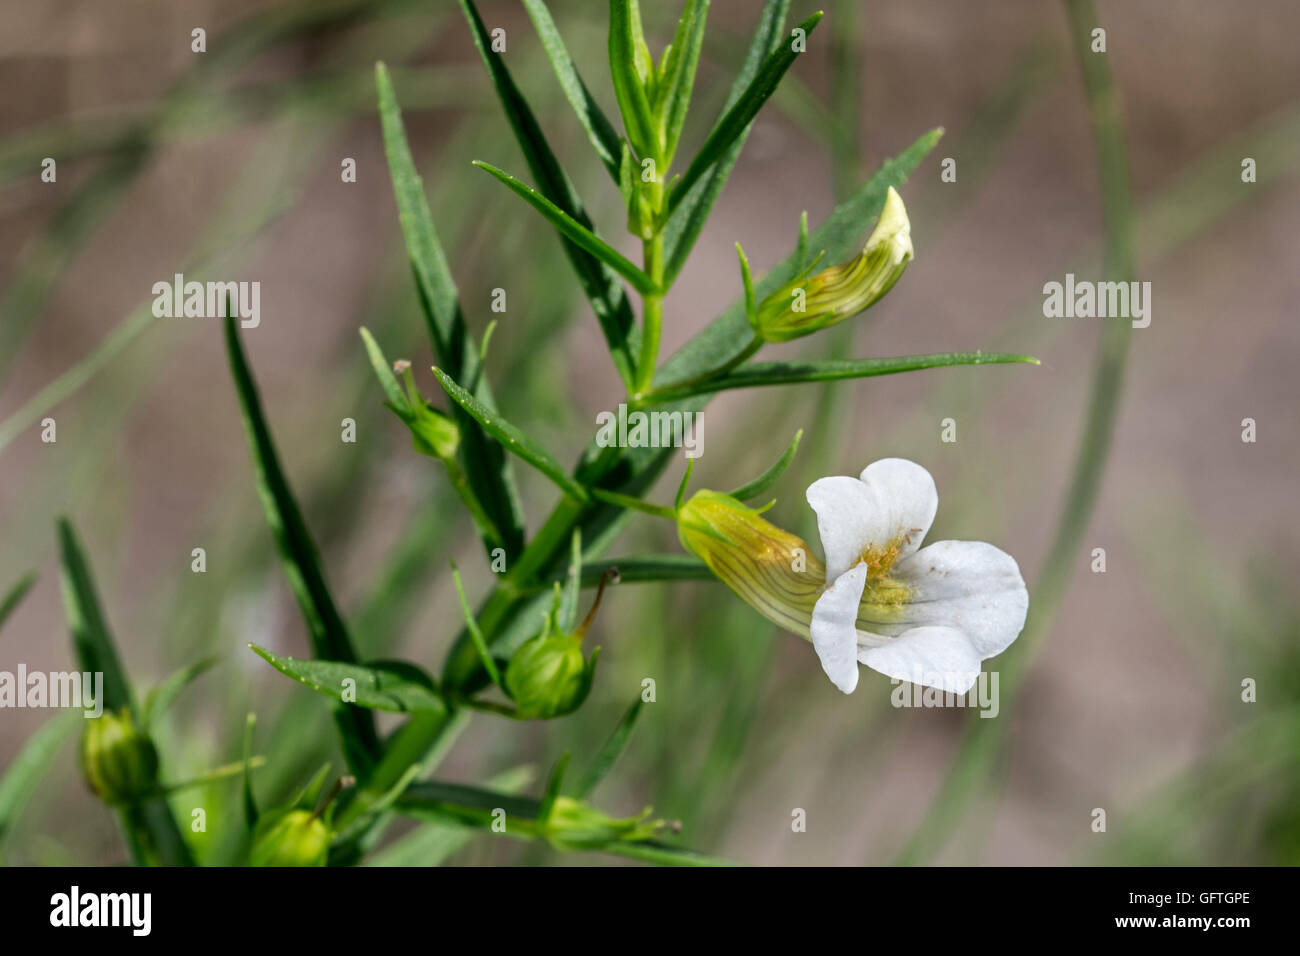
<point x="471" y="625"/>
<point x="394" y="686"/>
<point x="608" y="299"/>
<point x="838" y="237"/>
<point x="737" y="119"/>
<point x="665" y="854"/>
<point x="610" y="752"/>
<point x="574" y="230"/>
<point x="511" y="438"/>
<point x="383" y="371"/>
<point x="160" y="698"/>
<point x="629" y="69"/>
<point x="16" y="595"/>
<point x="28" y="768"/>
<point x="485" y="463"/>
<point x="640" y="569"/>
<point x="94" y="647"/>
<point x="329" y="635"/>
<point x="679" y="81"/>
<point x="599" y="129"/>
<point x="768" y="478"/>
<point x="787" y="373"/>
<point x="687" y="220"/>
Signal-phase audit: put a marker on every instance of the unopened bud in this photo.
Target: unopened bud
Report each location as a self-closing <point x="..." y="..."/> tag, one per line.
<point x="119" y="760"/>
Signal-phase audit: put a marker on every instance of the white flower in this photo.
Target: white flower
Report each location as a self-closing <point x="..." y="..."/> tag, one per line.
<point x="925" y="615"/>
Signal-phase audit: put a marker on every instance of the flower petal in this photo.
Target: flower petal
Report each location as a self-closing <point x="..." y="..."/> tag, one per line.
<point x="968" y="585"/>
<point x="892" y="503"/>
<point x="907" y="500"/>
<point x="833" y="629"/>
<point x="941" y="657"/>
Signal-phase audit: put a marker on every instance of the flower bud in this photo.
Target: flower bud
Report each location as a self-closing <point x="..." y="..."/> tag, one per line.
<point x="548" y="676"/>
<point x="572" y="825"/>
<point x="295" y="838"/>
<point x="771" y="570"/>
<point x="810" y="303"/>
<point x="432" y="433"/>
<point x="118" y="760"/>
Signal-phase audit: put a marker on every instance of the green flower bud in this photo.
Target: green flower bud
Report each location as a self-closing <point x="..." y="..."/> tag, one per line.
<point x="548" y="676"/>
<point x="119" y="760"/>
<point x="808" y="304"/>
<point x="432" y="433"/>
<point x="573" y="825"/>
<point x="296" y="838"/>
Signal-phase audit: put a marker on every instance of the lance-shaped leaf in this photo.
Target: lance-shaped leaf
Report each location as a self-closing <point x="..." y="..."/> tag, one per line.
<point x="511" y="438"/>
<point x="737" y="119"/>
<point x="687" y="220"/>
<point x="607" y="297"/>
<point x="729" y="335"/>
<point x="574" y="230"/>
<point x="631" y="70"/>
<point x="613" y="749"/>
<point x="487" y="469"/>
<point x="16" y="595"/>
<point x="599" y="129"/>
<point x="325" y="627"/>
<point x="768" y="478"/>
<point x="394" y="686"/>
<point x="94" y="647"/>
<point x="678" y="79"/>
<point x="788" y="373"/>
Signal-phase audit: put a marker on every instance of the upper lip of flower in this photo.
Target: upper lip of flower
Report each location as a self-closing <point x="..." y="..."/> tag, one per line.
<point x="927" y="615"/>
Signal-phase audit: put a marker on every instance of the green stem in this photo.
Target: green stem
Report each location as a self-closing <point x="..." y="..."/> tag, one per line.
<point x="682" y="389"/>
<point x="653" y="315"/>
<point x="981" y="742"/>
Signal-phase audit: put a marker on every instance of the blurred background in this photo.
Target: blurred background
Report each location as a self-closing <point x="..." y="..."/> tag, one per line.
<point x="226" y="165"/>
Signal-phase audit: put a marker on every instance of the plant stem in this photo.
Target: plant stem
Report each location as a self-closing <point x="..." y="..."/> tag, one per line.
<point x="981" y="743"/>
<point x="653" y="315"/>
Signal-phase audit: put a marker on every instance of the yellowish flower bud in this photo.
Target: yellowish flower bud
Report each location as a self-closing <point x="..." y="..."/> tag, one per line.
<point x="810" y="303"/>
<point x="296" y="838"/>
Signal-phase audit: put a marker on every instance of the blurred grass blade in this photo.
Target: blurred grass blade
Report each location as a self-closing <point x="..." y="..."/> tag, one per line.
<point x="328" y="633"/>
<point x="394" y="686"/>
<point x="736" y="120"/>
<point x="91" y="640"/>
<point x="249" y="800"/>
<point x="838" y="237"/>
<point x="28" y="768"/>
<point x="574" y="230"/>
<point x="572" y="584"/>
<point x="664" y="854"/>
<point x="679" y="79"/>
<point x="485" y="464"/>
<point x="629" y="69"/>
<point x="511" y="438"/>
<point x="609" y="753"/>
<point x="687" y="220"/>
<point x="600" y="131"/>
<point x="554" y="785"/>
<point x="770" y="477"/>
<point x="788" y="373"/>
<point x="160" y="698"/>
<point x="16" y="595"/>
<point x="608" y="300"/>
